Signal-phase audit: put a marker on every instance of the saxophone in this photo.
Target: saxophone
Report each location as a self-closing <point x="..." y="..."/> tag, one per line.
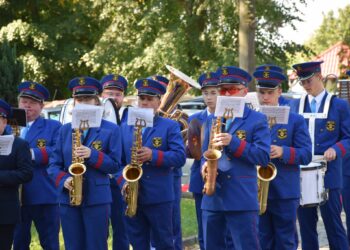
<point x="76" y="169"/>
<point x="133" y="172"/>
<point x="212" y="155"/>
<point x="265" y="175"/>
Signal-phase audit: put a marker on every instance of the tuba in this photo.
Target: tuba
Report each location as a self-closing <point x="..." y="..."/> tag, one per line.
<point x="265" y="175"/>
<point x="179" y="84"/>
<point x="133" y="172"/>
<point x="212" y="155"/>
<point x="77" y="168"/>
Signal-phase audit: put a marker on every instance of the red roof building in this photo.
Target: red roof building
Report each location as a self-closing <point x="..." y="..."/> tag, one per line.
<point x="336" y="60"/>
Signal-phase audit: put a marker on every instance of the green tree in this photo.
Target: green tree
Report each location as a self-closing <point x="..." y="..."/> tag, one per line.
<point x="51" y="37"/>
<point x="58" y="40"/>
<point x="11" y="73"/>
<point x="332" y="30"/>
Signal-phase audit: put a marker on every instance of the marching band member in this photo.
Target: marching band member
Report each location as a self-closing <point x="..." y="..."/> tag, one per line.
<point x="85" y="226"/>
<point x="162" y="150"/>
<point x="114" y="86"/>
<point x="290" y="147"/>
<point x="177" y="186"/>
<point x="210" y="91"/>
<point x="246" y="143"/>
<point x="330" y="137"/>
<point x="15" y="169"/>
<point x="281" y="100"/>
<point x="39" y="196"/>
<point x="346" y="188"/>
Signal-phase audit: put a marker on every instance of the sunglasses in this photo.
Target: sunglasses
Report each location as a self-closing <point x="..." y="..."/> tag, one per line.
<point x="230" y="91"/>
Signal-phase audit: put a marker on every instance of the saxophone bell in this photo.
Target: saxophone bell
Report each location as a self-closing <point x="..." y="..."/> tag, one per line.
<point x="265" y="175"/>
<point x="76" y="194"/>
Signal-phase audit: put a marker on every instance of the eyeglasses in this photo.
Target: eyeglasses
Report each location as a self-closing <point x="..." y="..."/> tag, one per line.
<point x="230" y="91"/>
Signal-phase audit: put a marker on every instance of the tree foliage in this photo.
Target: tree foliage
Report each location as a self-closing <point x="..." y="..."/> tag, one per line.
<point x="58" y="40"/>
<point x="11" y="73"/>
<point x="332" y="30"/>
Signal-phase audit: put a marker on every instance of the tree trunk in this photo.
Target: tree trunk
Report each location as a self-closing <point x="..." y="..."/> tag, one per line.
<point x="246" y="37"/>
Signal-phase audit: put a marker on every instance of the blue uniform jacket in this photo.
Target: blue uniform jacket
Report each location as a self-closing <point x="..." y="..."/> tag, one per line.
<point x="168" y="152"/>
<point x="105" y="157"/>
<point x="236" y="188"/>
<point x="295" y="140"/>
<point x="15" y="169"/>
<point x="331" y="132"/>
<point x="196" y="180"/>
<point x="42" y="137"/>
<point x="346" y="165"/>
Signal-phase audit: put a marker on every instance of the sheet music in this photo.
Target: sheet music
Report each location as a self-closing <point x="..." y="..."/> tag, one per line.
<point x="252" y="100"/>
<point x="142" y="113"/>
<point x="281" y="113"/>
<point x="230" y="102"/>
<point x="89" y="114"/>
<point x="6" y="142"/>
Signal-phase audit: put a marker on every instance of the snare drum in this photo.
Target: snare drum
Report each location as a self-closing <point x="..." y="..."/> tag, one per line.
<point x="109" y="110"/>
<point x="313" y="192"/>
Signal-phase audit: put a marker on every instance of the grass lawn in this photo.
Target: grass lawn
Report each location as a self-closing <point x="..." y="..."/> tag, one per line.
<point x="188" y="219"/>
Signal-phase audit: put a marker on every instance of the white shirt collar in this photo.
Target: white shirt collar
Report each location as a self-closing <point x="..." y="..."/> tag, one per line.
<point x="318" y="98"/>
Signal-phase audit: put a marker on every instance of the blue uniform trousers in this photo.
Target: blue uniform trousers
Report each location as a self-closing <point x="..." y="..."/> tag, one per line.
<point x="243" y="226"/>
<point x="346" y="202"/>
<point x="277" y="226"/>
<point x="330" y="212"/>
<point x="198" y="201"/>
<point x="155" y="218"/>
<point x="177" y="214"/>
<point x="118" y="220"/>
<point x="85" y="228"/>
<point x="47" y="222"/>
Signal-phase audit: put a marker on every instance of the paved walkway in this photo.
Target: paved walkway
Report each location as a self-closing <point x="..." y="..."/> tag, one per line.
<point x="320" y="229"/>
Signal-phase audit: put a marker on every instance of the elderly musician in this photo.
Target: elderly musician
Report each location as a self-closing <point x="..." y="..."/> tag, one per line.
<point x="328" y="119"/>
<point x="114" y="86"/>
<point x="80" y="166"/>
<point x="162" y="150"/>
<point x="15" y="169"/>
<point x="290" y="147"/>
<point x="245" y="143"/>
<point x="39" y="196"/>
<point x="210" y="91"/>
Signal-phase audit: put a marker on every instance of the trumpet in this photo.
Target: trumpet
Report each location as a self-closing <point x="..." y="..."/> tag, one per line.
<point x="133" y="172"/>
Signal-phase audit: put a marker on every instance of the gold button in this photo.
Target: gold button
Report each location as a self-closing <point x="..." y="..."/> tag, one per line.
<point x="228" y="158"/>
<point x="321" y="129"/>
<point x="274" y="140"/>
<point x="229" y="177"/>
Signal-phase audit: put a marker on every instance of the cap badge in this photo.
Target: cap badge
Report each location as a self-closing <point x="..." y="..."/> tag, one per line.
<point x="267" y="67"/>
<point x="224" y="71"/>
<point x="145" y="83"/>
<point x="81" y="81"/>
<point x="32" y="85"/>
<point x="266" y="74"/>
